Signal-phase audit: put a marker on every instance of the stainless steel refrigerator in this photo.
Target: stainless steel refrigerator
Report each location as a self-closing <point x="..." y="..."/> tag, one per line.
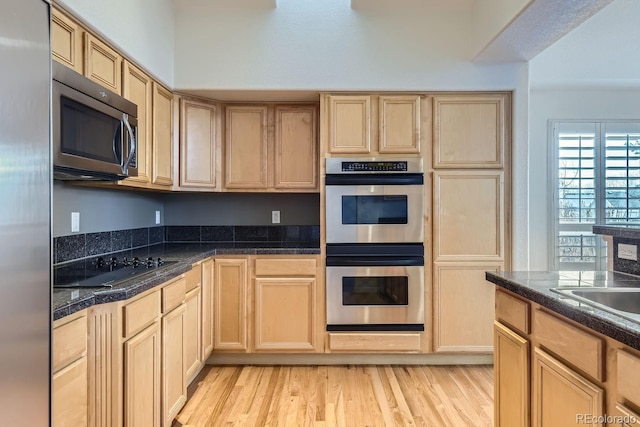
<point x="25" y="225"/>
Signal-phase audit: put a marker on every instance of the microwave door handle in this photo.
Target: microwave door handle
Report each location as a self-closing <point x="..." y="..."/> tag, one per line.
<point x="114" y="147"/>
<point x="133" y="146"/>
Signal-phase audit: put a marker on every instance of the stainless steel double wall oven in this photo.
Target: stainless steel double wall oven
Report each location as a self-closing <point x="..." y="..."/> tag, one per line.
<point x="375" y="244"/>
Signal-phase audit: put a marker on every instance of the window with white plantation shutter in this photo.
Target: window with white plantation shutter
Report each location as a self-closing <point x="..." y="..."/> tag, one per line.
<point x="596" y="181"/>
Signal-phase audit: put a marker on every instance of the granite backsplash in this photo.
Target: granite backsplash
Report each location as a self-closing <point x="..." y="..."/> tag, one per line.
<point x="79" y="246"/>
<point x="625" y="265"/>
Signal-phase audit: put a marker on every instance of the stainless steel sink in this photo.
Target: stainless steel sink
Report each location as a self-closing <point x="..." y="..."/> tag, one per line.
<point x="624" y="302"/>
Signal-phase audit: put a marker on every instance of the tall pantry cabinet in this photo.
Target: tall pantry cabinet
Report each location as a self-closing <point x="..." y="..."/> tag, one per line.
<point x="470" y="225"/>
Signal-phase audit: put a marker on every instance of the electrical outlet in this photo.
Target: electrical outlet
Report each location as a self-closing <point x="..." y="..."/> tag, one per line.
<point x="75" y="222"/>
<point x="275" y="217"/>
<point x="157" y="217"/>
<point x="629" y="252"/>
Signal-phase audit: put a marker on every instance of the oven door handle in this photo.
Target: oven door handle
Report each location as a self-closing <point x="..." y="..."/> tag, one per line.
<point x="355" y="261"/>
<point x="371" y="179"/>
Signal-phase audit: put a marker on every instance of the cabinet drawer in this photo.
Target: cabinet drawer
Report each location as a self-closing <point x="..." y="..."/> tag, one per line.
<point x="628" y="375"/>
<point x="173" y="294"/>
<point x="512" y="311"/>
<point x="575" y="346"/>
<point x="381" y="342"/>
<point x="286" y="267"/>
<point x="69" y="342"/>
<point x="193" y="277"/>
<point x="141" y="313"/>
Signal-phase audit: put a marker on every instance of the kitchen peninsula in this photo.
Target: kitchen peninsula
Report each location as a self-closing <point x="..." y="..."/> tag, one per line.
<point x="559" y="358"/>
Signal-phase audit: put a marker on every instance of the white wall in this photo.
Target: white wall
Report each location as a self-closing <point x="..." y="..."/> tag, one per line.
<point x="564" y="104"/>
<point x="591" y="74"/>
<point x="142" y="29"/>
<point x="328" y="45"/>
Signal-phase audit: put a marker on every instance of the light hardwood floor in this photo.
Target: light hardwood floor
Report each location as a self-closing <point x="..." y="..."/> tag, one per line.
<point x="382" y="395"/>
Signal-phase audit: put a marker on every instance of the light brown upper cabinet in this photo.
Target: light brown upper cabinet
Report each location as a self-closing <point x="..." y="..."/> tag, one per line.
<point x="75" y="47"/>
<point x="374" y="124"/>
<point x="399" y="124"/>
<point x="200" y="144"/>
<point x="66" y="40"/>
<point x="296" y="157"/>
<point x="349" y="124"/>
<point x="162" y="147"/>
<point x="137" y="87"/>
<point x="271" y="148"/>
<point x="246" y="147"/>
<point x="102" y="64"/>
<point x="469" y="131"/>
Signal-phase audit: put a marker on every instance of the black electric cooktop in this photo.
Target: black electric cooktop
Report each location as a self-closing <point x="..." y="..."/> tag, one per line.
<point x="106" y="272"/>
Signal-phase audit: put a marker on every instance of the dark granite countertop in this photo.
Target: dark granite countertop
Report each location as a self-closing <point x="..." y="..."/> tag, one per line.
<point x="536" y="286"/>
<point x="625" y="231"/>
<point x="70" y="300"/>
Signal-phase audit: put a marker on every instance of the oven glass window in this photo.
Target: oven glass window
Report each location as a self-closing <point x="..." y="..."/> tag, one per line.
<point x="375" y="290"/>
<point x="88" y="133"/>
<point x="389" y="209"/>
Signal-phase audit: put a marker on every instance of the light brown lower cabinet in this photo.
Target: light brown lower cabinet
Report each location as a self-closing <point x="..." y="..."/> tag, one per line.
<point x="142" y="378"/>
<point x="70" y="395"/>
<point x="511" y="378"/>
<point x="174" y="390"/>
<point x="192" y="352"/>
<point x="267" y="303"/>
<point x="551" y="371"/>
<point x="206" y="298"/>
<point x="561" y="396"/>
<point x="230" y="307"/>
<point x="70" y="375"/>
<point x="174" y="385"/>
<point x="285" y="314"/>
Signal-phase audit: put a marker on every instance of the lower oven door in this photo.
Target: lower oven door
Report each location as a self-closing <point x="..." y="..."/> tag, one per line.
<point x="375" y="298"/>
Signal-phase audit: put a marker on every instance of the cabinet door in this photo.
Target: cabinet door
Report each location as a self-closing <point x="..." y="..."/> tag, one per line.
<point x="199" y="143"/>
<point x="468" y="216"/>
<point x="102" y="64"/>
<point x="162" y="148"/>
<point x="66" y="40"/>
<point x="511" y="378"/>
<point x="174" y="390"/>
<point x="285" y="314"/>
<point x="192" y="343"/>
<point x="142" y="378"/>
<point x="70" y="395"/>
<point x="463" y="307"/>
<point x="469" y="131"/>
<point x="246" y="147"/>
<point x="399" y="124"/>
<point x="207" y="308"/>
<point x="296" y="147"/>
<point x="137" y="87"/>
<point x="560" y="395"/>
<point x="230" y="304"/>
<point x="349" y="124"/>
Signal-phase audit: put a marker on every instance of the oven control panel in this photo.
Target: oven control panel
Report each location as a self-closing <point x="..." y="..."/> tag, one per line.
<point x="399" y="166"/>
<point x="375" y="165"/>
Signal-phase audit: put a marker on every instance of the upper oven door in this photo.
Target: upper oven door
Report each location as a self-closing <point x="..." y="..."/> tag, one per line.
<point x="374" y="213"/>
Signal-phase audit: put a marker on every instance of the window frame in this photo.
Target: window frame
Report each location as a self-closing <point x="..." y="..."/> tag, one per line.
<point x="600" y="130"/>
